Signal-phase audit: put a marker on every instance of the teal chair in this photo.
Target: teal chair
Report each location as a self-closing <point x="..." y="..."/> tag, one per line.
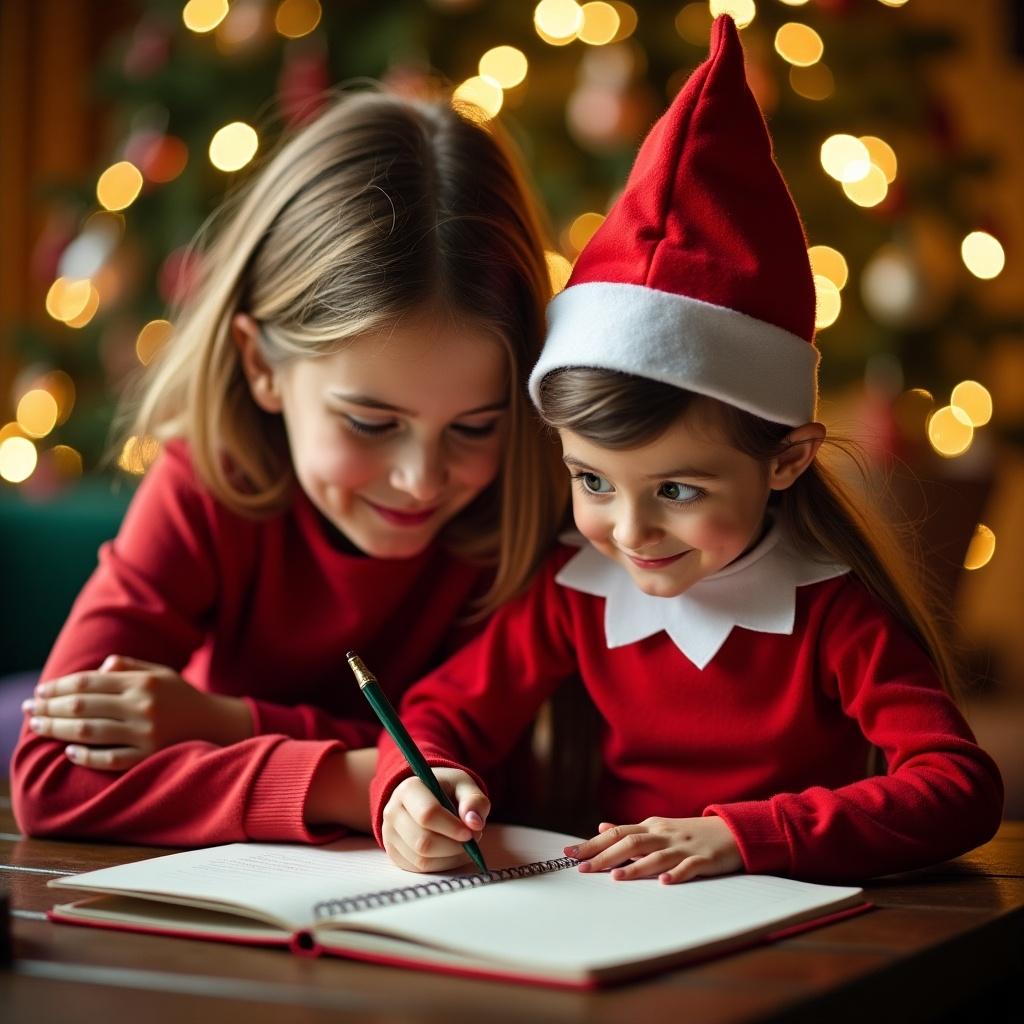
<point x="47" y="551"/>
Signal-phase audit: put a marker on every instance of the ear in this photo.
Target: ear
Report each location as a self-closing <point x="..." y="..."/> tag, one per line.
<point x="802" y="444"/>
<point x="264" y="383"/>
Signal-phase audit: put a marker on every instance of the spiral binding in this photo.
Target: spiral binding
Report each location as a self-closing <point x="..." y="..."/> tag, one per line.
<point x="436" y="887"/>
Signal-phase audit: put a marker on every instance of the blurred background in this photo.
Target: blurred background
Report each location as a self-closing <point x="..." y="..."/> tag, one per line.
<point x="897" y="124"/>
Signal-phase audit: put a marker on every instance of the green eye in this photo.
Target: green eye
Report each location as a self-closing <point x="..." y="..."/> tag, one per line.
<point x="679" y="492"/>
<point x="594" y="483"/>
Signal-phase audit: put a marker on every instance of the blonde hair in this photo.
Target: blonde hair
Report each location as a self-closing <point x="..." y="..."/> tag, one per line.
<point x="379" y="207"/>
<point x="817" y="512"/>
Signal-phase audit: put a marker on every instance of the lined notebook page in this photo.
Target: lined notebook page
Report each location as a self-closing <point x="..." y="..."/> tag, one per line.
<point x="569" y="920"/>
<point x="286" y="881"/>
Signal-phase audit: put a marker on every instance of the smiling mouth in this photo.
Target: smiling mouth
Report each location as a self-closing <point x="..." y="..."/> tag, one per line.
<point x="403" y="517"/>
<point x="654" y="563"/>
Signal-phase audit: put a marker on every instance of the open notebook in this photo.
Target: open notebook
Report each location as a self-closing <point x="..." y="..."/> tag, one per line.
<point x="531" y="917"/>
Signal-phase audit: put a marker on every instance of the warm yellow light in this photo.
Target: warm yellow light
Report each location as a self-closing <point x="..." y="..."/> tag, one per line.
<point x="627" y="20"/>
<point x="66" y="460"/>
<point x="483" y="93"/>
<point x="119" y="186"/>
<point x="600" y="23"/>
<point x="233" y="146"/>
<point x="981" y="549"/>
<point x="950" y="432"/>
<point x="799" y="44"/>
<point x="912" y="409"/>
<point x="983" y="255"/>
<point x="830" y="263"/>
<point x="582" y="229"/>
<point x="845" y="158"/>
<point x="813" y="83"/>
<point x="794" y="3"/>
<point x="204" y="15"/>
<point x="558" y="20"/>
<point x="10" y="430"/>
<point x="828" y="302"/>
<point x="505" y="64"/>
<point x="18" y="458"/>
<point x="869" y="190"/>
<point x="297" y="18"/>
<point x="882" y="155"/>
<point x="62" y="387"/>
<point x="138" y="454"/>
<point x="88" y="311"/>
<point x="742" y="12"/>
<point x="888" y="3"/>
<point x="559" y="269"/>
<point x="67" y="299"/>
<point x="973" y="400"/>
<point x="693" y="23"/>
<point x="37" y="412"/>
<point x="151" y="339"/>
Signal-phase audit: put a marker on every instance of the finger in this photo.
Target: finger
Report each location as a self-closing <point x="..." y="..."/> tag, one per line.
<point x="604" y="826"/>
<point x="419" y="850"/>
<point x="107" y="759"/>
<point x="630" y="846"/>
<point x="473" y="804"/>
<point x="691" y="867"/>
<point x="602" y="841"/>
<point x="79" y="705"/>
<point x="93" y="731"/>
<point x="653" y="865"/>
<point x="122" y="663"/>
<point x="423" y="808"/>
<point x="82" y="682"/>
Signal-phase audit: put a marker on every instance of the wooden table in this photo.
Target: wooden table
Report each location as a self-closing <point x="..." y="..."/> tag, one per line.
<point x="945" y="944"/>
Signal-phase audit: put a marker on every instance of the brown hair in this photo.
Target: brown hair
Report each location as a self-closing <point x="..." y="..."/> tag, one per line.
<point x="378" y="208"/>
<point x="817" y="512"/>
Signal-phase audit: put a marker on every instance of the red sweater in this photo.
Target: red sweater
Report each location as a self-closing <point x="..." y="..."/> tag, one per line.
<point x="772" y="735"/>
<point x="263" y="610"/>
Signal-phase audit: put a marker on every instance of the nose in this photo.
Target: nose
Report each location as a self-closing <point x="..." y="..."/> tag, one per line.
<point x="634" y="529"/>
<point x="420" y="471"/>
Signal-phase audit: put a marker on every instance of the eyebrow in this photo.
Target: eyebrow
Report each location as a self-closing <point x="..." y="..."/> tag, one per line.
<point x="685" y="471"/>
<point x="369" y="402"/>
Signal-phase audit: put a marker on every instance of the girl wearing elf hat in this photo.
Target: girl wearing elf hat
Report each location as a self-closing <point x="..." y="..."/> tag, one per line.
<point x="743" y="635"/>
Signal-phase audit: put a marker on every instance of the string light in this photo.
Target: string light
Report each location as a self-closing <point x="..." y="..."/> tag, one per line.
<point x="830" y="263"/>
<point x="882" y="155"/>
<point x="119" y="186"/>
<point x="973" y="400"/>
<point x="67" y="299"/>
<point x="92" y="304"/>
<point x="505" y="65"/>
<point x="742" y="12"/>
<point x="600" y="23"/>
<point x="950" y="432"/>
<point x="887" y="3"/>
<point x="558" y="21"/>
<point x="983" y="255"/>
<point x="845" y="158"/>
<point x="297" y="18"/>
<point x="18" y="459"/>
<point x="981" y="548"/>
<point x="151" y="339"/>
<point x="204" y="15"/>
<point x="869" y="190"/>
<point x="482" y="92"/>
<point x="233" y="146"/>
<point x="828" y="302"/>
<point x="799" y="44"/>
<point x="37" y="412"/>
<point x="559" y="269"/>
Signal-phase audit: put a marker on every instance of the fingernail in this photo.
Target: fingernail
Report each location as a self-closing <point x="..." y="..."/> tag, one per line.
<point x="585" y="866"/>
<point x="28" y="704"/>
<point x="73" y="753"/>
<point x="474" y="821"/>
<point x="43" y="690"/>
<point x="34" y="723"/>
<point x="571" y="851"/>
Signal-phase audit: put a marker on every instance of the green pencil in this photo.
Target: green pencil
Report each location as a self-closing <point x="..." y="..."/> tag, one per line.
<point x="405" y="743"/>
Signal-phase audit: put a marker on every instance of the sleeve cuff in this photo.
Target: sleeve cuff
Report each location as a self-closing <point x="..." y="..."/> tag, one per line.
<point x="763" y="847"/>
<point x="268" y="718"/>
<point x="275" y="810"/>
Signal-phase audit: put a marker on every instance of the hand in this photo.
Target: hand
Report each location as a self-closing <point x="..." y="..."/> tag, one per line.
<point x="673" y="849"/>
<point x="420" y="835"/>
<point x="118" y="715"/>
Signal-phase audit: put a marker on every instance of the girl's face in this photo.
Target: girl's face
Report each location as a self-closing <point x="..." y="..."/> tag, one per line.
<point x="396" y="433"/>
<point x="677" y="509"/>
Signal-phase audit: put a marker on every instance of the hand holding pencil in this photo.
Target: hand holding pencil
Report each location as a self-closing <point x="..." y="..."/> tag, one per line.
<point x="424" y="830"/>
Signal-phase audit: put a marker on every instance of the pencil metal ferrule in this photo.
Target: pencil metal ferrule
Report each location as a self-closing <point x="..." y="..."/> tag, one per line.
<point x="363" y="675"/>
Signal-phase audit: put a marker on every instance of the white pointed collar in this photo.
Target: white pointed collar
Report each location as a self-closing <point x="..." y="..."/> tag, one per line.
<point x="757" y="592"/>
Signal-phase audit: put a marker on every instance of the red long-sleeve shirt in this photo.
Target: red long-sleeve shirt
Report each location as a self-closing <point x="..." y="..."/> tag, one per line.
<point x="263" y="610"/>
<point x="772" y="734"/>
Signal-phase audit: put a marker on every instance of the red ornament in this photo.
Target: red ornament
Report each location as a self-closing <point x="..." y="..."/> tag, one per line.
<point x="302" y="84"/>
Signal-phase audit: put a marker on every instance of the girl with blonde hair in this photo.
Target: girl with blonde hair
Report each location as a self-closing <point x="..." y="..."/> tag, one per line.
<point x="347" y="459"/>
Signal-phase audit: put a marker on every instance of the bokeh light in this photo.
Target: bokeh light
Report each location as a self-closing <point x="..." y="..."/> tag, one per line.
<point x="869" y="190"/>
<point x="18" y="459"/>
<point x="483" y="93"/>
<point x="882" y="155"/>
<point x="983" y="255"/>
<point x="600" y="23"/>
<point x="981" y="548"/>
<point x="582" y="229"/>
<point x="92" y="304"/>
<point x="297" y="18"/>
<point x="828" y="302"/>
<point x="973" y="400"/>
<point x="62" y="387"/>
<point x="119" y="186"/>
<point x="138" y="454"/>
<point x="151" y="339"/>
<point x="66" y="299"/>
<point x="742" y="12"/>
<point x="813" y="83"/>
<point x="559" y="269"/>
<point x="798" y="44"/>
<point x="693" y="23"/>
<point x="37" y="412"/>
<point x="204" y="15"/>
<point x="950" y="432"/>
<point x="66" y="460"/>
<point x="627" y="20"/>
<point x="830" y="263"/>
<point x="845" y="158"/>
<point x="505" y="64"/>
<point x="233" y="146"/>
<point x="558" y="21"/>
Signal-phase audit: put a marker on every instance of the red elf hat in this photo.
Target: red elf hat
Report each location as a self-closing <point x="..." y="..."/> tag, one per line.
<point x="699" y="275"/>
